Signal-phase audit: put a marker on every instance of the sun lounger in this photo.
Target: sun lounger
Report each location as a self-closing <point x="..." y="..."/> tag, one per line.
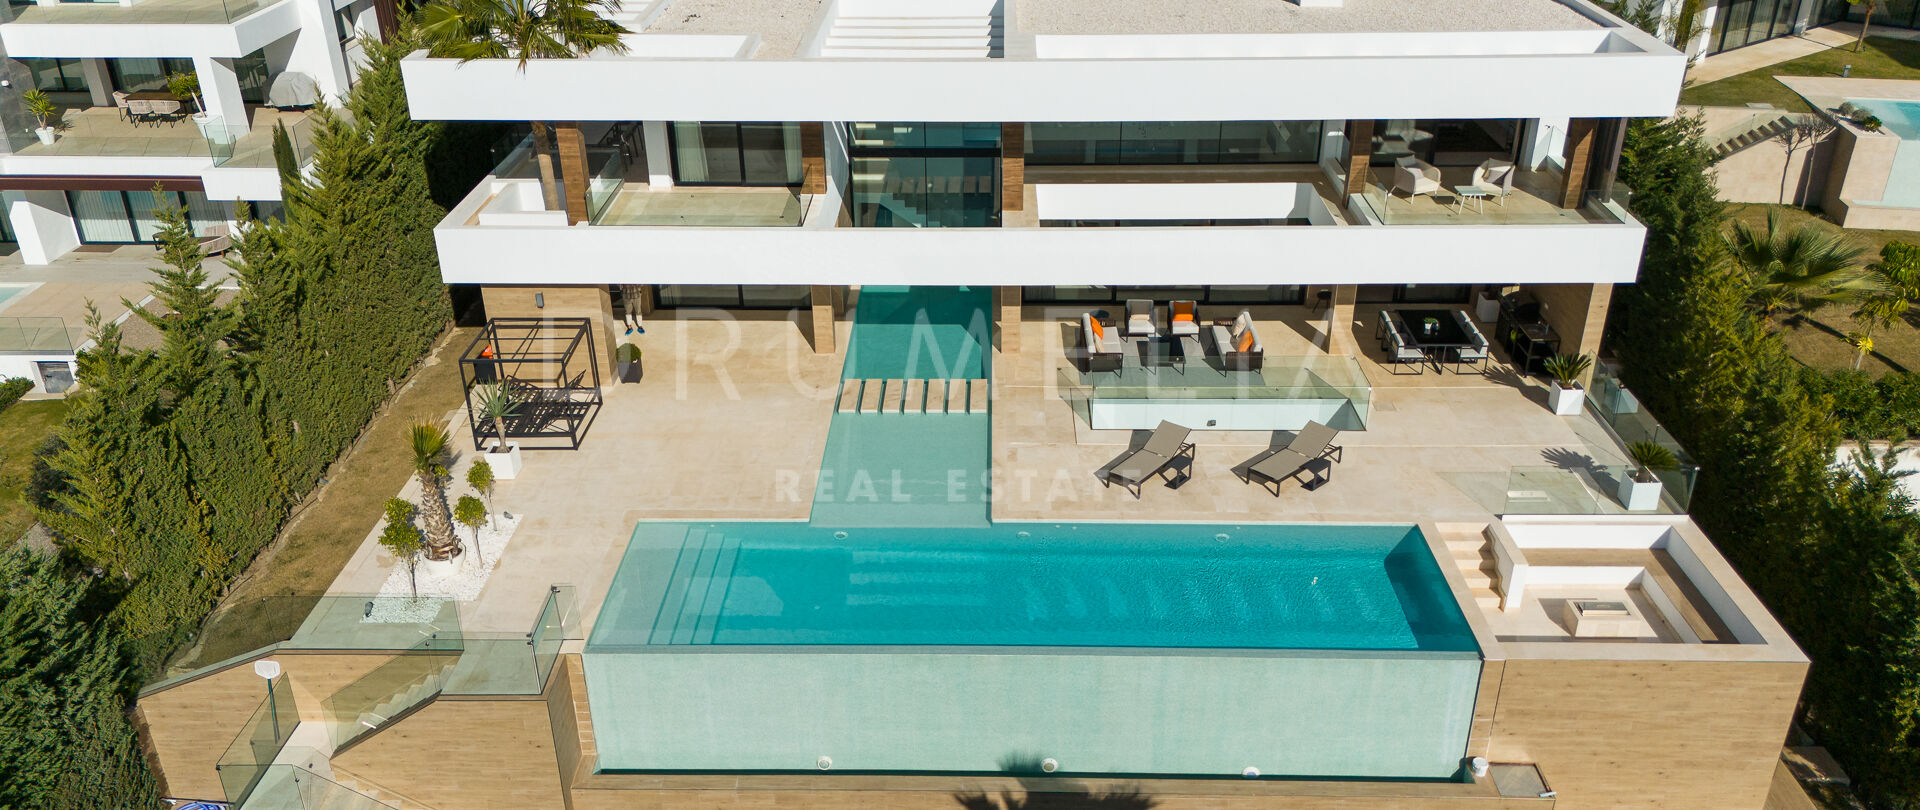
<point x="1316" y="441"/>
<point x="1308" y="453"/>
<point x="1134" y="467"/>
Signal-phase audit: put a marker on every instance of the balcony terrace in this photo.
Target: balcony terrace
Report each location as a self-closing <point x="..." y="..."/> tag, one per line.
<point x="145" y="12"/>
<point x="97" y="132"/>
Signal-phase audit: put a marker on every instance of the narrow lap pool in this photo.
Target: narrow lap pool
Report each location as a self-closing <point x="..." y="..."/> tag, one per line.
<point x="1901" y="118"/>
<point x="1192" y="649"/>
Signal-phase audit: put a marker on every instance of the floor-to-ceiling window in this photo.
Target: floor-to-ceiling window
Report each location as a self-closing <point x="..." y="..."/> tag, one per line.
<point x="1161" y="143"/>
<point x="1898" y="13"/>
<point x="925" y="175"/>
<point x="56" y="75"/>
<point x="1737" y="23"/>
<point x="1445" y="142"/>
<point x="127" y="217"/>
<point x="736" y="154"/>
<point x="1211" y="294"/>
<point x="742" y="296"/>
<point x="145" y="75"/>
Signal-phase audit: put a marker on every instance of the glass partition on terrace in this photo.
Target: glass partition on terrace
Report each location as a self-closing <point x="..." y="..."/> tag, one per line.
<point x="35" y="335"/>
<point x="1283" y="393"/>
<point x="924" y="175"/>
<point x="253" y="750"/>
<point x="1173" y="143"/>
<point x="1628" y="422"/>
<point x="291" y="787"/>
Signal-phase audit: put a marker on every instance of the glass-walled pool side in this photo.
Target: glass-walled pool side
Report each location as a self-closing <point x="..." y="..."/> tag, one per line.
<point x="859" y="650"/>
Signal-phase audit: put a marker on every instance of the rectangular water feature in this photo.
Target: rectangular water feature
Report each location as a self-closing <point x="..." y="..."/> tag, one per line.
<point x="1901" y="118"/>
<point x="1324" y="651"/>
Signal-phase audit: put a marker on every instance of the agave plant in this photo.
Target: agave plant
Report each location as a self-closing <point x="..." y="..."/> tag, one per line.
<point x="496" y="403"/>
<point x="1648" y="456"/>
<point x="1567" y="369"/>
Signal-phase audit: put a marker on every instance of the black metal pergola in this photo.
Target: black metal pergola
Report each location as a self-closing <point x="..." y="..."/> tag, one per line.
<point x="547" y="364"/>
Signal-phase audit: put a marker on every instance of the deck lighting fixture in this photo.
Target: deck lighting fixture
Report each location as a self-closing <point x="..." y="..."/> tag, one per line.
<point x="1479" y="767"/>
<point x="1049" y="765"/>
<point x="1251" y="772"/>
<point x="824" y="763"/>
<point x="270" y="669"/>
<point x="1845" y="71"/>
<point x="539" y="300"/>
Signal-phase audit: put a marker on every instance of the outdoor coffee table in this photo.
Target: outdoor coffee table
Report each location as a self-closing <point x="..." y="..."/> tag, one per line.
<point x="1461" y="194"/>
<point x="1158" y="353"/>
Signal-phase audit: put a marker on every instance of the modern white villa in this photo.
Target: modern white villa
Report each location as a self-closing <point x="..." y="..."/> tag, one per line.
<point x="123" y="123"/>
<point x="1085" y="404"/>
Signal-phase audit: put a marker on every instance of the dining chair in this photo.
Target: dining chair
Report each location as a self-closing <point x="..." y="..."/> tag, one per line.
<point x="139" y="110"/>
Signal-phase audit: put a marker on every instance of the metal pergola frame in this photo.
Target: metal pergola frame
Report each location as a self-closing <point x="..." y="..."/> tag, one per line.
<point x="541" y="361"/>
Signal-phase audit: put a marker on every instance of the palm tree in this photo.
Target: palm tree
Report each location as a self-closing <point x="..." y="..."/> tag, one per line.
<point x="429" y="444"/>
<point x="1888" y="289"/>
<point x="1804" y="269"/>
<point x="523" y="30"/>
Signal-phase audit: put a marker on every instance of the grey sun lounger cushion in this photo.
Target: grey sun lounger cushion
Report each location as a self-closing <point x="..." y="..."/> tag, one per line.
<point x="1278" y="466"/>
<point x="1314" y="440"/>
<point x="1168" y="442"/>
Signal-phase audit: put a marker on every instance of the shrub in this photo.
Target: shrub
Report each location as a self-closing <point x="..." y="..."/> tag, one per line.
<point x="12" y="389"/>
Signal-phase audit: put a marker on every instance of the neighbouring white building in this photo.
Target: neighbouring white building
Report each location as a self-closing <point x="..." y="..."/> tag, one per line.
<point x="119" y="129"/>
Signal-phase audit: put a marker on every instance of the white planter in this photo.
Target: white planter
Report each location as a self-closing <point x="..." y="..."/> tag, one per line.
<point x="506" y="466"/>
<point x="45" y="134"/>
<point x="1486" y="310"/>
<point x="439" y="568"/>
<point x="1640" y="496"/>
<point x="1565" y="401"/>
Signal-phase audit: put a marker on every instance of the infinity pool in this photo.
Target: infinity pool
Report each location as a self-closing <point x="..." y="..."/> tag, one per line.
<point x="1901" y="118"/>
<point x="1194" y="649"/>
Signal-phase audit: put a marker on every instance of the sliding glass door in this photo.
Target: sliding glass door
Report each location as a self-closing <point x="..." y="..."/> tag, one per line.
<point x="729" y="154"/>
<point x="130" y="217"/>
<point x="1738" y="23"/>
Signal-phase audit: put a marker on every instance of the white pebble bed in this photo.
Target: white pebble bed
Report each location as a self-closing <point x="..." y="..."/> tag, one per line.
<point x="460" y="580"/>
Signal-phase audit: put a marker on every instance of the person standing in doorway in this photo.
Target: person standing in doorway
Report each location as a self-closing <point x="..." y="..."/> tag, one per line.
<point x="630" y="301"/>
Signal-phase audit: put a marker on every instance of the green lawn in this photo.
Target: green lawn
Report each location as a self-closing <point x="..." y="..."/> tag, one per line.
<point x="1818" y="338"/>
<point x="1883" y="58"/>
<point x="23" y="426"/>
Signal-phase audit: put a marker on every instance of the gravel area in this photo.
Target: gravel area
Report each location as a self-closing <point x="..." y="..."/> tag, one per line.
<point x="1285" y="17"/>
<point x="781" y="24"/>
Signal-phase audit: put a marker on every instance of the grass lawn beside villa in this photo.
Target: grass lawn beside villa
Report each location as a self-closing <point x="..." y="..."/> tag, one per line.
<point x="23" y="426"/>
<point x="1819" y="339"/>
<point x="270" y="600"/>
<point x="1883" y="58"/>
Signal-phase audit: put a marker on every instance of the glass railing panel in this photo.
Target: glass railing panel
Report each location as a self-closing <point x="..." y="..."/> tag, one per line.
<point x="290" y="787"/>
<point x="48" y="335"/>
<point x="390" y="690"/>
<point x="379" y="623"/>
<point x="606" y="169"/>
<point x="1592" y="489"/>
<point x="151" y="12"/>
<point x="1422" y="194"/>
<point x="501" y="664"/>
<point x="552" y="629"/>
<point x="696" y="206"/>
<point x="248" y="756"/>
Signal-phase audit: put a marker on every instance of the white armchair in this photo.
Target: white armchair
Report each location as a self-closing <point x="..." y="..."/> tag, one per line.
<point x="1415" y="177"/>
<point x="1495" y="177"/>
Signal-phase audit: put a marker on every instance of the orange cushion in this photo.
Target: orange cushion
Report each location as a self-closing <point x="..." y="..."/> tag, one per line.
<point x="1183" y="312"/>
<point x="1245" y="342"/>
<point x="1098" y="331"/>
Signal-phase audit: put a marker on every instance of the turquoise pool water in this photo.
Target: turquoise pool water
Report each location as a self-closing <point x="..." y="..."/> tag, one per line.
<point x="1901" y="118"/>
<point x="903" y="470"/>
<point x="1290" y="587"/>
<point x="8" y="292"/>
<point x="1180" y="650"/>
<point x="920" y="332"/>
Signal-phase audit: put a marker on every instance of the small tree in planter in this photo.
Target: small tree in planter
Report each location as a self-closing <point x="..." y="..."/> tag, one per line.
<point x="43" y="110"/>
<point x="1640" y="490"/>
<point x="470" y="512"/>
<point x="185" y="88"/>
<point x="629" y="357"/>
<point x="480" y="477"/>
<point x="429" y="446"/>
<point x="402" y="539"/>
<point x="1565" y="396"/>
<point x="496" y="403"/>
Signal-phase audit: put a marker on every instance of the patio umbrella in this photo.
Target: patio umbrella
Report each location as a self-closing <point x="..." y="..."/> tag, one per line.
<point x="292" y="89"/>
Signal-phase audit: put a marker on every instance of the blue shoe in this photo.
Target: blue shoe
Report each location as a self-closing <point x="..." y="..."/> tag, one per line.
<point x="629" y="330"/>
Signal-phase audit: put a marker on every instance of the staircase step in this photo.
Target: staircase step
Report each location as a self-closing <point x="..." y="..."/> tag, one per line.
<point x="849" y="397"/>
<point x="936" y="396"/>
<point x="870" y="396"/>
<point x="956" y="396"/>
<point x="895" y="396"/>
<point x="1486" y="599"/>
<point x="916" y="397"/>
<point x="977" y="394"/>
<point x="907" y="53"/>
<point x="1476" y="579"/>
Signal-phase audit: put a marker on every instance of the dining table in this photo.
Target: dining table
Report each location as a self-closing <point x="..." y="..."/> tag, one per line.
<point x="1433" y="331"/>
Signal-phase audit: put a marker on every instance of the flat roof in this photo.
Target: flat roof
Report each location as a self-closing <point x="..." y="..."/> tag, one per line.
<point x="781" y="24"/>
<point x="1288" y="17"/>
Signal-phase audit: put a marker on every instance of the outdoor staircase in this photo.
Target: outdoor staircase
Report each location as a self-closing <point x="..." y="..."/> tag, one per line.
<point x="377" y="792"/>
<point x="1473" y="552"/>
<point x="1751" y="130"/>
<point x="412" y="694"/>
<point x="909" y="29"/>
<point x="691" y="608"/>
<point x="914" y="396"/>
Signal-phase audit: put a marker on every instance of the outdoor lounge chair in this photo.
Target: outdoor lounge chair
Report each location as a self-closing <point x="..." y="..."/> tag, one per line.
<point x="1312" y="451"/>
<point x="1414" y="177"/>
<point x="1134" y="467"/>
<point x="1139" y="318"/>
<point x="1183" y="319"/>
<point x="1394" y="343"/>
<point x="1238" y="345"/>
<point x="1495" y="177"/>
<point x="1104" y="346"/>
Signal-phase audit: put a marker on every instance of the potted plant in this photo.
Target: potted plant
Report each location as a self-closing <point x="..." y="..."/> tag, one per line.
<point x="185" y="88"/>
<point x="1640" y="489"/>
<point x="1486" y="308"/>
<point x="495" y="403"/>
<point x="629" y="357"/>
<point x="1565" y="395"/>
<point x="43" y="110"/>
<point x="1871" y="123"/>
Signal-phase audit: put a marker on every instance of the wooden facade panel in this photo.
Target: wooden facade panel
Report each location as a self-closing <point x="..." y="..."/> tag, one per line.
<point x="1577" y="312"/>
<point x="464" y="753"/>
<point x="940" y="800"/>
<point x="1606" y="734"/>
<point x="1013" y="167"/>
<point x="583" y="301"/>
<point x="1581" y="134"/>
<point x="813" y="158"/>
<point x="572" y="145"/>
<point x="1359" y="154"/>
<point x="190" y="725"/>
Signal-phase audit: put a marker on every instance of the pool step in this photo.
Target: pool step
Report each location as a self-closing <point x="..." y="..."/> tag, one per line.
<point x="1472" y="553"/>
<point x="913" y="396"/>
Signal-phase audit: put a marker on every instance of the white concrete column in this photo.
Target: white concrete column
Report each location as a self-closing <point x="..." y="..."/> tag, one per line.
<point x="99" y="81"/>
<point x="220" y="91"/>
<point x="42" y="224"/>
<point x="1546" y="141"/>
<point x="316" y="50"/>
<point x="659" y="155"/>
